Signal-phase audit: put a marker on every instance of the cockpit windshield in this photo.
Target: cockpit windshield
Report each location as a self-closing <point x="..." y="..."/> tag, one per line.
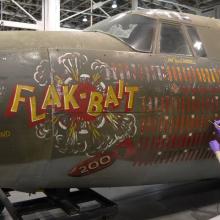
<point x="135" y="30"/>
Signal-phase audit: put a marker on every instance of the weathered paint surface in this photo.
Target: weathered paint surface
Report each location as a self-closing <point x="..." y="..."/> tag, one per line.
<point x="108" y="106"/>
<point x="104" y="115"/>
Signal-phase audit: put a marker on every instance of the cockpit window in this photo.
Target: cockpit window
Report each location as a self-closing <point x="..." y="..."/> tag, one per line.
<point x="135" y="30"/>
<point x="173" y="41"/>
<point x="197" y="43"/>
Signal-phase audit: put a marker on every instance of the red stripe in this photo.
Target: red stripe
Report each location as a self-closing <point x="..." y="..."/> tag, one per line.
<point x="216" y="75"/>
<point x="162" y="104"/>
<point x="194" y="74"/>
<point x="140" y="71"/>
<point x="179" y="74"/>
<point x="183" y="105"/>
<point x="189" y="75"/>
<point x="148" y="75"/>
<point x="167" y="104"/>
<point x="174" y="73"/>
<point x="184" y="74"/>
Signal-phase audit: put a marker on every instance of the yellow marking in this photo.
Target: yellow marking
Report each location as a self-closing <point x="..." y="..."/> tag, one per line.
<point x="194" y="74"/>
<point x="212" y="75"/>
<point x="169" y="73"/>
<point x="5" y="134"/>
<point x="55" y="119"/>
<point x="95" y="132"/>
<point x="216" y="75"/>
<point x="95" y="104"/>
<point x="176" y="60"/>
<point x="207" y="75"/>
<point x="203" y="74"/>
<point x="51" y="98"/>
<point x="184" y="74"/>
<point x="170" y="60"/>
<point x="112" y="119"/>
<point x="165" y="76"/>
<point x="188" y="61"/>
<point x="96" y="77"/>
<point x="189" y="75"/>
<point x="33" y="106"/>
<point x="111" y="98"/>
<point x="120" y="89"/>
<point x="198" y="74"/>
<point x="179" y="73"/>
<point x="59" y="80"/>
<point x="131" y="90"/>
<point x="75" y="75"/>
<point x="217" y="153"/>
<point x="174" y="73"/>
<point x="18" y="98"/>
<point x="72" y="129"/>
<point x="68" y="96"/>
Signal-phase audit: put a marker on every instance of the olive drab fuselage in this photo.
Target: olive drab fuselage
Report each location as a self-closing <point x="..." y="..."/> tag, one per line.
<point x="75" y="113"/>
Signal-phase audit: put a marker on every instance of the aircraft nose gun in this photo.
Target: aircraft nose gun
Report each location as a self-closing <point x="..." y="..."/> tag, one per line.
<point x="214" y="144"/>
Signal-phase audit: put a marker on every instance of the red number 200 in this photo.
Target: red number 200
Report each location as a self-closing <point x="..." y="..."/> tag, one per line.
<point x="103" y="161"/>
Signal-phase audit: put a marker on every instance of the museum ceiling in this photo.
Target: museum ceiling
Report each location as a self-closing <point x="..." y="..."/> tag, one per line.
<point x="101" y="9"/>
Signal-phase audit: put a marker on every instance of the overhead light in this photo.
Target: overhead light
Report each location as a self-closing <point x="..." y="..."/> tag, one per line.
<point x="85" y="19"/>
<point x="114" y="4"/>
<point x="198" y="45"/>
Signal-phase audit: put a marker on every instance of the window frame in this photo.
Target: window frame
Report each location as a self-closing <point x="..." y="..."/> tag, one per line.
<point x="191" y="43"/>
<point x="156" y="36"/>
<point x="153" y="40"/>
<point x="186" y="37"/>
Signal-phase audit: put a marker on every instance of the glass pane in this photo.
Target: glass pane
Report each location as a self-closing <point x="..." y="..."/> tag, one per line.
<point x="173" y="41"/>
<point x="135" y="30"/>
<point x="197" y="43"/>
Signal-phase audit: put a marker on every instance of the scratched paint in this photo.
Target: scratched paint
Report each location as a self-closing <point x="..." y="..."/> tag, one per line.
<point x="152" y="113"/>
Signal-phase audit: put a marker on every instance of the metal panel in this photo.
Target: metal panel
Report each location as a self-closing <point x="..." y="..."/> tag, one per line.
<point x="22" y="70"/>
